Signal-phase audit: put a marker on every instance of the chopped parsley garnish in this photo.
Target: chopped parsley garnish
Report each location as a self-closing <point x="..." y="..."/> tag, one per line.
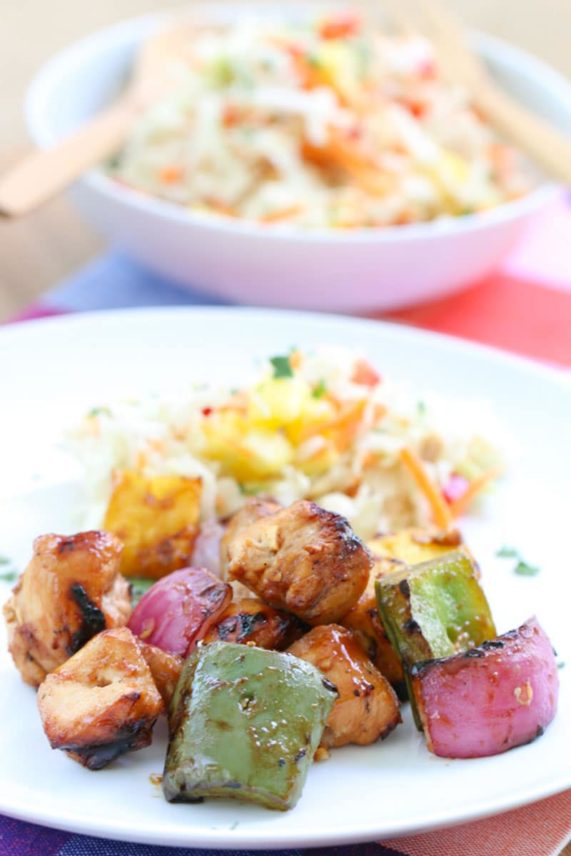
<point x="523" y="569"/>
<point x="4" y="560"/>
<point x="249" y="489"/>
<point x="421" y="408"/>
<point x="139" y="587"/>
<point x="99" y="411"/>
<point x="9" y="577"/>
<point x="561" y="664"/>
<point x="282" y="367"/>
<point x="319" y="390"/>
<point x="507" y="553"/>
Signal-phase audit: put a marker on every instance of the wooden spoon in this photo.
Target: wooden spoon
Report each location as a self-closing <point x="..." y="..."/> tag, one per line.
<point x="45" y="173"/>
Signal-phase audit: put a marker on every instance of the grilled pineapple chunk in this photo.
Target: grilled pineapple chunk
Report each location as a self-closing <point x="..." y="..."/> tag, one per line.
<point x="156" y="518"/>
<point x="414" y="546"/>
<point x="102" y="702"/>
<point x="409" y="546"/>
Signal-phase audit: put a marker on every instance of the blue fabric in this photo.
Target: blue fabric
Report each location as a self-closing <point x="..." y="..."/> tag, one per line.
<point x="115" y="282"/>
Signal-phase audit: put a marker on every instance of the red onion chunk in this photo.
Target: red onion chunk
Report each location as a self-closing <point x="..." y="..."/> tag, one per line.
<point x="206" y="552"/>
<point x="491" y="698"/>
<point x="179" y="609"/>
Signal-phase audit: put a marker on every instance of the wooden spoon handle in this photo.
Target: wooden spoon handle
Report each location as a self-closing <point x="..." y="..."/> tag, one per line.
<point x="44" y="173"/>
<point x="545" y="145"/>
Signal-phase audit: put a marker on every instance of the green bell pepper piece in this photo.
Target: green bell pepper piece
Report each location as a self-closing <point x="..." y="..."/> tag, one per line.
<point x="432" y="610"/>
<point x="245" y="723"/>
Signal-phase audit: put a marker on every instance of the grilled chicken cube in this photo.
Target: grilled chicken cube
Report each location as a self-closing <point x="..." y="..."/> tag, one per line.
<point x="71" y="590"/>
<point x="250" y="620"/>
<point x="367" y="708"/>
<point x="254" y="509"/>
<point x="156" y="519"/>
<point x="365" y="623"/>
<point x="102" y="702"/>
<point x="303" y="559"/>
<point x="389" y="552"/>
<point x="165" y="669"/>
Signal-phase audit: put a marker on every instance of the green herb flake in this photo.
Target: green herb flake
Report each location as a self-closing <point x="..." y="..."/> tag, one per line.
<point x="319" y="390"/>
<point x="4" y="560"/>
<point x="282" y="367"/>
<point x="507" y="553"/>
<point x="139" y="587"/>
<point x="98" y="411"/>
<point x="561" y="665"/>
<point x="249" y="489"/>
<point x="9" y="577"/>
<point x="523" y="569"/>
<point x="421" y="408"/>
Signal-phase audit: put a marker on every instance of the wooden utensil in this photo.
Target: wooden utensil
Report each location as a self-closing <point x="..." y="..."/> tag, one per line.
<point x="549" y="148"/>
<point x="44" y="173"/>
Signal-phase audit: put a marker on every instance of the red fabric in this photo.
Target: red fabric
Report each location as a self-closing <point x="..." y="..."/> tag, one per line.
<point x="505" y="312"/>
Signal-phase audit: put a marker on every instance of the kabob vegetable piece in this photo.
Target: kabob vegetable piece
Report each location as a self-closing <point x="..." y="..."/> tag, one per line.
<point x="390" y="551"/>
<point x="491" y="698"/>
<point x="433" y="610"/>
<point x="244" y="723"/>
<point x="156" y="519"/>
<point x="179" y="609"/>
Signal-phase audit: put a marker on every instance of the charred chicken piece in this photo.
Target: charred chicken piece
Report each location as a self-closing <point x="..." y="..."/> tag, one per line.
<point x="250" y="620"/>
<point x="102" y="702"/>
<point x="303" y="559"/>
<point x="70" y="591"/>
<point x="367" y="708"/>
<point x="165" y="669"/>
<point x="365" y="623"/>
<point x="254" y="509"/>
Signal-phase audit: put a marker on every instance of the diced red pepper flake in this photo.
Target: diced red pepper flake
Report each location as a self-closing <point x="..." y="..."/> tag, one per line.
<point x="365" y="374"/>
<point x="416" y="107"/>
<point x="455" y="488"/>
<point x="230" y="115"/>
<point x="340" y="26"/>
<point x="427" y="69"/>
<point x="206" y="411"/>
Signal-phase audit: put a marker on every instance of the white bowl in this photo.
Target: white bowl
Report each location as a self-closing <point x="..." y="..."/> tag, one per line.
<point x="283" y="265"/>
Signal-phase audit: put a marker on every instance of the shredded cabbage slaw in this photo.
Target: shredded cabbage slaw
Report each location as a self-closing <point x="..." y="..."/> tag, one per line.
<point x="324" y="124"/>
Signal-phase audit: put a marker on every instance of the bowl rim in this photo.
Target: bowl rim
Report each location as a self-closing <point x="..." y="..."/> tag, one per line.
<point x="57" y="68"/>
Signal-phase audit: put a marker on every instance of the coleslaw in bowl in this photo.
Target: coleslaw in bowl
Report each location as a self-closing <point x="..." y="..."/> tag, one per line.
<point x="284" y="264"/>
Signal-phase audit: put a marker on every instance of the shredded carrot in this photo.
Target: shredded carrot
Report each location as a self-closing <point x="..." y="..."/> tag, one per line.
<point x="221" y="207"/>
<point x="341" y="151"/>
<point x="341" y="429"/>
<point x="295" y="360"/>
<point x="440" y="510"/>
<point x="282" y="214"/>
<point x="461" y="505"/>
<point x="171" y="174"/>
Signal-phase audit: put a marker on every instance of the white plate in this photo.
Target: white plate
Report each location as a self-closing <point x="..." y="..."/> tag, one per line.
<point x="51" y="370"/>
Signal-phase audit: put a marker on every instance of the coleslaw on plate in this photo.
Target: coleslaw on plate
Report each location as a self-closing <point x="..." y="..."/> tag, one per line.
<point x="321" y="425"/>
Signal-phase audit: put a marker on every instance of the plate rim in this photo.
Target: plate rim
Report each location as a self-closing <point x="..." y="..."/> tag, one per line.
<point x="551" y="372"/>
